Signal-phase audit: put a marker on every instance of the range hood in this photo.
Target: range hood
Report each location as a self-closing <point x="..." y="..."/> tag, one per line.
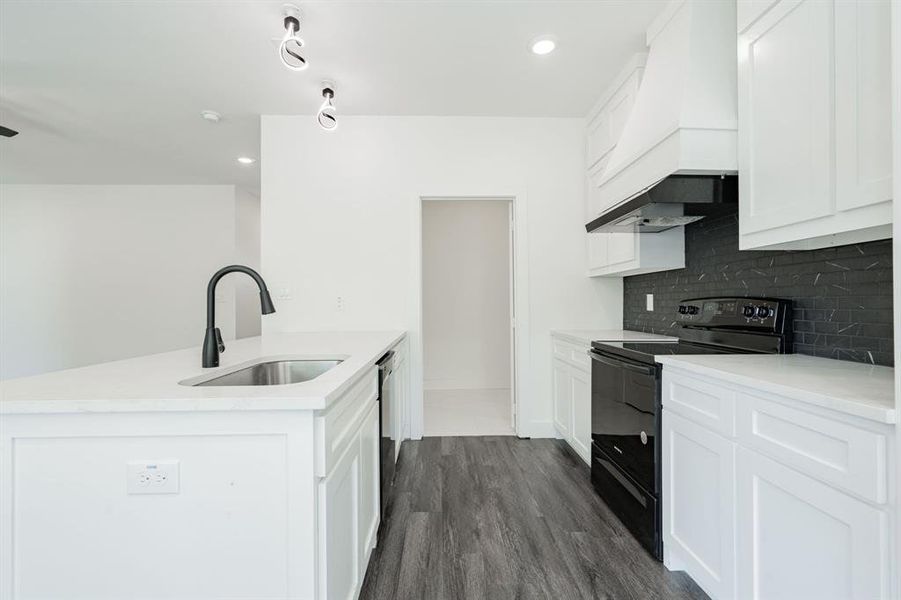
<point x="677" y="154"/>
<point x="674" y="201"/>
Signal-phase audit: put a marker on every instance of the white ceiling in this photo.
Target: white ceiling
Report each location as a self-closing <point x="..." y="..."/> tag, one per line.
<point x="111" y="91"/>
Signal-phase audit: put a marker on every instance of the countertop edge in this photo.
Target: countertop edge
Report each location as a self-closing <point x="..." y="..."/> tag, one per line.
<point x="887" y="416"/>
<point x="308" y="402"/>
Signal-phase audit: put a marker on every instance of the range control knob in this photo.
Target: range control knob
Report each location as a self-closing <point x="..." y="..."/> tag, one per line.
<point x="683" y="310"/>
<point x="763" y="312"/>
<point x="693" y="310"/>
<point x="749" y="311"/>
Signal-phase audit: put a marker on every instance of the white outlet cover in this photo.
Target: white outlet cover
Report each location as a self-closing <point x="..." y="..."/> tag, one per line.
<point x="152" y="477"/>
<point x="649" y="301"/>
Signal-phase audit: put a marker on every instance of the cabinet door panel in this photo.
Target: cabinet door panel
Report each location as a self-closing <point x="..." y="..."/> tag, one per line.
<point x="863" y="103"/>
<point x="597" y="250"/>
<point x="581" y="409"/>
<point x="621" y="248"/>
<point x="799" y="538"/>
<point x="401" y="401"/>
<point x="785" y="116"/>
<point x="562" y="400"/>
<point x="339" y="510"/>
<point x="369" y="486"/>
<point x="698" y="504"/>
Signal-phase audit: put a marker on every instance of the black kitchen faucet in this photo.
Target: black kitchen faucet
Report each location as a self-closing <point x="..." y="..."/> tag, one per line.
<point x="212" y="340"/>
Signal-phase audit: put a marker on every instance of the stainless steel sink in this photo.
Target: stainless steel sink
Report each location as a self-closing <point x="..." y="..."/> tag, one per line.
<point x="274" y="372"/>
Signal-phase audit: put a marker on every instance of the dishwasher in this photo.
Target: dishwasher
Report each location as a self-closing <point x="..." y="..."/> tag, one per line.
<point x="388" y="438"/>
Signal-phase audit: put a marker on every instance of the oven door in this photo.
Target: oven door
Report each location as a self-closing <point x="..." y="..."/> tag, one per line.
<point x="624" y="415"/>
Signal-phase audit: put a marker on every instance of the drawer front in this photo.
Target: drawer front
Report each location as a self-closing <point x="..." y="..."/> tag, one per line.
<point x="562" y="350"/>
<point x="579" y="357"/>
<point x="572" y="354"/>
<point x="703" y="402"/>
<point x="832" y="451"/>
<point x="335" y="428"/>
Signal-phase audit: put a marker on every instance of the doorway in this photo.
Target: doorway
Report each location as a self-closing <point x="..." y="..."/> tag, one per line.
<point x="467" y="317"/>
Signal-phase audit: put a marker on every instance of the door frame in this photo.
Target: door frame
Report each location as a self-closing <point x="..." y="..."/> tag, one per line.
<point x="519" y="306"/>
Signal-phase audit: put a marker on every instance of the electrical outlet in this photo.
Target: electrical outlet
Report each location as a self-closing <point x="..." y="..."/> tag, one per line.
<point x="339" y="304"/>
<point x="284" y="293"/>
<point x="152" y="477"/>
<point x="649" y="301"/>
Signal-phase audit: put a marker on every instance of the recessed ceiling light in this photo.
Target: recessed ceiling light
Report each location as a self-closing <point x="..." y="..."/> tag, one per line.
<point x="211" y="115"/>
<point x="246" y="160"/>
<point x="543" y="45"/>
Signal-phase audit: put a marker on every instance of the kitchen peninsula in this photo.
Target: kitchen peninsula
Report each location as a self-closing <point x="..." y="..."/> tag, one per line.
<point x="161" y="487"/>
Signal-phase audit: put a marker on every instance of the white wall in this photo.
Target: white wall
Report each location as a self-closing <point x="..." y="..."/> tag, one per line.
<point x="341" y="217"/>
<point x="466" y="294"/>
<point x="93" y="273"/>
<point x="896" y="267"/>
<point x="247" y="249"/>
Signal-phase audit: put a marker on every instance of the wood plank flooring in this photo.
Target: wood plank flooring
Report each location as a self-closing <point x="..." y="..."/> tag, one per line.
<point x="503" y="518"/>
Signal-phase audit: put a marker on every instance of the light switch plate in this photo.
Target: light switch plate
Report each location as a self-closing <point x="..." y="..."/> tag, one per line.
<point x="152" y="477"/>
<point x="649" y="301"/>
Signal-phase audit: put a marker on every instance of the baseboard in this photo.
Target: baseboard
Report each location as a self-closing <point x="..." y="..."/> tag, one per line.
<point x="538" y="429"/>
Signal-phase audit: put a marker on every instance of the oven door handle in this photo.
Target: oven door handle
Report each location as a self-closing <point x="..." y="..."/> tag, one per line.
<point x="642" y="411"/>
<point x="643" y="369"/>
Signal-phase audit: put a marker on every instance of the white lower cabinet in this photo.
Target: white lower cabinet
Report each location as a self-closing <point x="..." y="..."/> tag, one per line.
<point x="401" y="398"/>
<point x="339" y="497"/>
<point x="370" y="491"/>
<point x="799" y="538"/>
<point x="562" y="398"/>
<point x="580" y="387"/>
<point x="571" y="389"/>
<point x="348" y="513"/>
<point x="699" y="515"/>
<point x="787" y="505"/>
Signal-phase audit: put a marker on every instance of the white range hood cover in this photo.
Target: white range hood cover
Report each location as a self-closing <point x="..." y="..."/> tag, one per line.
<point x="685" y="117"/>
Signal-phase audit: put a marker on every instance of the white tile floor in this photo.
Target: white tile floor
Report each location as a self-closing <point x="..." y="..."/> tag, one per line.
<point x="467" y="412"/>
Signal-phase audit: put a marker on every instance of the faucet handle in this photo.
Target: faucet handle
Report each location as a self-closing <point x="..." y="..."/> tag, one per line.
<point x="219" y="340"/>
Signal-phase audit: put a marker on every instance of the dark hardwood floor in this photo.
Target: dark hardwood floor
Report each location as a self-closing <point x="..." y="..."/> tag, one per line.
<point x="500" y="517"/>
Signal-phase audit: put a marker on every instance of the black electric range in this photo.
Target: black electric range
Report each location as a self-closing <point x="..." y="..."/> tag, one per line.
<point x="625" y="398"/>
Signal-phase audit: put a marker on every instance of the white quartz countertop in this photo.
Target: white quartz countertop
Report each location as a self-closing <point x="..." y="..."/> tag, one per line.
<point x="853" y="388"/>
<point x="586" y="336"/>
<point x="151" y="383"/>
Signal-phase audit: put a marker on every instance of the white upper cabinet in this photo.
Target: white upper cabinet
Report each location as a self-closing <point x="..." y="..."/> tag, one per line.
<point x="814" y="123"/>
<point x="863" y="130"/>
<point x="623" y="254"/>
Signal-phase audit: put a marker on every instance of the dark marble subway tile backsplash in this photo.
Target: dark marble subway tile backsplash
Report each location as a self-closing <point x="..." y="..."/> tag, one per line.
<point x="842" y="296"/>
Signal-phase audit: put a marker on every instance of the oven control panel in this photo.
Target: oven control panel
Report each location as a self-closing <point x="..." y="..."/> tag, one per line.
<point x="765" y="314"/>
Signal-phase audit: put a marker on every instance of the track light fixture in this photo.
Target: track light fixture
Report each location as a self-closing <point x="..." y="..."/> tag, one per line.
<point x="291" y="45"/>
<point x="326" y="115"/>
